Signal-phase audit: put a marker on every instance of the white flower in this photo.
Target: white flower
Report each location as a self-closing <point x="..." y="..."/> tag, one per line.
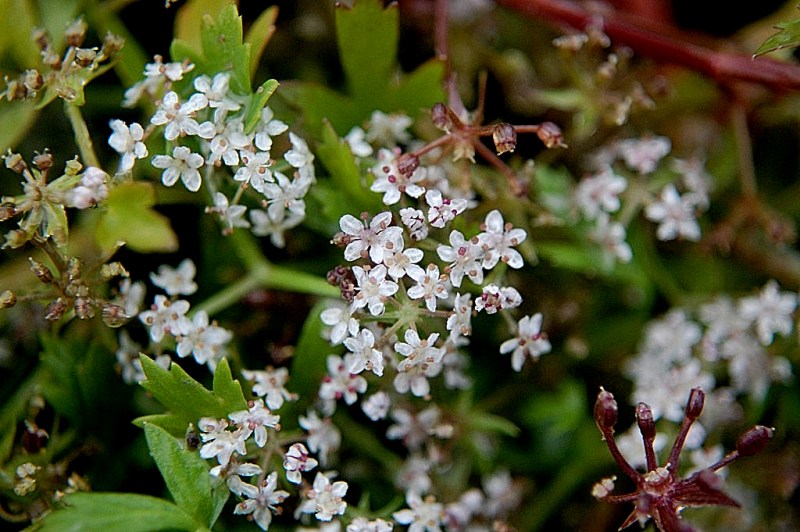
<point x="296" y="461"/>
<point x="267" y="128"/>
<point x="373" y="289"/>
<point x="131" y="296"/>
<point x="359" y="146"/>
<point x="270" y="384"/>
<point x="90" y="190"/>
<point x="530" y="341"/>
<point x="363" y="354"/>
<point x="401" y="262"/>
<point x="216" y="92"/>
<point x="286" y="195"/>
<point x="183" y="164"/>
<point x="422" y="360"/>
<point x="324" y="499"/>
<point x="219" y="442"/>
<point x="414" y="219"/>
<point x="675" y="216"/>
<point x="179" y="118"/>
<point x="232" y="215"/>
<point x="459" y="323"/>
<point x="376" y="406"/>
<point x="255" y="420"/>
<point x="643" y="155"/>
<point x="203" y="340"/>
<point x="255" y="171"/>
<point x="127" y="141"/>
<point x="368" y="238"/>
<point x="299" y="156"/>
<point x="388" y="130"/>
<point x="415" y="430"/>
<point x="600" y="193"/>
<point x="176" y="281"/>
<point x="422" y="515"/>
<point x="611" y="236"/>
<point x="227" y="139"/>
<point x="430" y="286"/>
<point x="498" y="239"/>
<point x="264" y="224"/>
<point x="340" y="319"/>
<point x="361" y="524"/>
<point x="494" y="298"/>
<point x="340" y="383"/>
<point x="392" y="182"/>
<point x="464" y="256"/>
<point x="443" y="210"/>
<point x="166" y="317"/>
<point x="264" y="503"/>
<point x="323" y="436"/>
<point x="771" y="311"/>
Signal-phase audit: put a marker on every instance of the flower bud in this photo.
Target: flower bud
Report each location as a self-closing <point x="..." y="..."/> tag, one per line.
<point x="407" y="164"/>
<point x="112" y="44"/>
<point x="550" y="135"/>
<point x="113" y="315"/>
<point x="84" y="57"/>
<point x="441" y="118"/>
<point x="645" y="421"/>
<point x="55" y="310"/>
<point x="605" y="410"/>
<point x="113" y="269"/>
<point x="695" y="404"/>
<point x="15" y="162"/>
<point x="41" y="271"/>
<point x="505" y="138"/>
<point x="15" y="238"/>
<point x="754" y="440"/>
<point x="32" y="79"/>
<point x="7" y="210"/>
<point x="76" y="32"/>
<point x="7" y="299"/>
<point x="40" y="37"/>
<point x="43" y="161"/>
<point x="84" y="308"/>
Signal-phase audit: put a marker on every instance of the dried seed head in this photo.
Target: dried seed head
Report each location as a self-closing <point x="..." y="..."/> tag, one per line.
<point x="7" y="210"/>
<point x="15" y="238"/>
<point x="605" y="410"/>
<point x="695" y="404"/>
<point x="7" y="299"/>
<point x="505" y="138"/>
<point x="76" y="33"/>
<point x="441" y="118"/>
<point x="41" y="38"/>
<point x="84" y="307"/>
<point x="34" y="438"/>
<point x="550" y="134"/>
<point x="754" y="440"/>
<point x="32" y="80"/>
<point x="55" y="310"/>
<point x="43" y="161"/>
<point x="113" y="269"/>
<point x="41" y="271"/>
<point x="74" y="265"/>
<point x="645" y="421"/>
<point x="15" y="162"/>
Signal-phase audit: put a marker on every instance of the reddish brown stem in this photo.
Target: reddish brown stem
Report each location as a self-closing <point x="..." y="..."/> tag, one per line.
<point x="662" y="42"/>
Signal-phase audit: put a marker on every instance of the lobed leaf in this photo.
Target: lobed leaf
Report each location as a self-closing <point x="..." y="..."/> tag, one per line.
<point x="224" y="49"/>
<point x="227" y="390"/>
<point x="788" y="36"/>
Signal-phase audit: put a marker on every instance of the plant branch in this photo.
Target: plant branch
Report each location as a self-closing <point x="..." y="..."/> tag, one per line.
<point x="82" y="137"/>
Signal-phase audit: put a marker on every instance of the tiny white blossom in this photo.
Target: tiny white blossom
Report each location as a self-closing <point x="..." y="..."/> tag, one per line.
<point x="300" y="156"/>
<point x="414" y="219"/>
<point x="127" y="141"/>
<point x="340" y="319"/>
<point x="422" y="515"/>
<point x="355" y="138"/>
<point x="370" y="238"/>
<point x="325" y="499"/>
<point x="611" y="236"/>
<point x="184" y="164"/>
<point x="90" y="190"/>
<point x="265" y="225"/>
<point x="270" y="384"/>
<point x="204" y="341"/>
<point x="643" y="155"/>
<point x="675" y="216"/>
<point x="176" y="281"/>
<point x="286" y="195"/>
<point x="217" y="93"/>
<point x="443" y="210"/>
<point x="227" y="140"/>
<point x="363" y="354"/>
<point x="373" y="288"/>
<point x="494" y="298"/>
<point x="529" y="342"/>
<point x="255" y="171"/>
<point x="388" y="130"/>
<point x="296" y="461"/>
<point x="459" y="323"/>
<point x="393" y="183"/>
<point x="232" y="215"/>
<point x="376" y="406"/>
<point x="178" y="118"/>
<point x="465" y="258"/>
<point x="323" y="436"/>
<point x="219" y="442"/>
<point x="361" y="524"/>
<point x="264" y="503"/>
<point x="340" y="382"/>
<point x="498" y="240"/>
<point x="267" y="128"/>
<point x="255" y="420"/>
<point x="430" y="286"/>
<point x="600" y="193"/>
<point x="771" y="311"/>
<point x="166" y="317"/>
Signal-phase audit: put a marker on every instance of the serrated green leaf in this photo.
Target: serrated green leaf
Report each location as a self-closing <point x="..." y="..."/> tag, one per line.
<point x="185" y="473"/>
<point x="788" y="36"/>
<point x="189" y="20"/>
<point x="116" y="512"/>
<point x="150" y="233"/>
<point x="257" y="102"/>
<point x="259" y="34"/>
<point x="179" y="393"/>
<point x="224" y="49"/>
<point x="227" y="390"/>
<point x="173" y="424"/>
<point x="367" y="35"/>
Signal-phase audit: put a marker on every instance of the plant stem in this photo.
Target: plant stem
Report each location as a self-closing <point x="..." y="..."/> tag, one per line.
<point x="82" y="137"/>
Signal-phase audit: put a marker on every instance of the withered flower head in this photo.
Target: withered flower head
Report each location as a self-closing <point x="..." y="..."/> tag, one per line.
<point x="660" y="494"/>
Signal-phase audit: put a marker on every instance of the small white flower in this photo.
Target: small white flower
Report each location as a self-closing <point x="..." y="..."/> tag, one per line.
<point x="183" y="164"/>
<point x="376" y="406"/>
<point x="267" y="128"/>
<point x="255" y="420"/>
<point x="219" y="442"/>
<point x="771" y="311"/>
<point x="388" y="130"/>
<point x="286" y="195"/>
<point x="414" y="219"/>
<point x="373" y="289"/>
<point x="299" y="156"/>
<point x="217" y="93"/>
<point x="90" y="190"/>
<point x="430" y="286"/>
<point x="176" y="281"/>
<point x="675" y="216"/>
<point x="422" y="515"/>
<point x="391" y="182"/>
<point x="355" y="139"/>
<point x="340" y="319"/>
<point x="325" y="499"/>
<point x="361" y="524"/>
<point x="270" y="384"/>
<point x="370" y="238"/>
<point x="232" y="215"/>
<point x="643" y="155"/>
<point x="494" y="298"/>
<point x="265" y="225"/>
<point x="296" y="461"/>
<point x="127" y="141"/>
<point x="227" y="140"/>
<point x="465" y="258"/>
<point x="459" y="323"/>
<point x="166" y="317"/>
<point x="600" y="193"/>
<point x="529" y="342"/>
<point x="264" y="503"/>
<point x="498" y="240"/>
<point x="255" y="171"/>
<point x="340" y="383"/>
<point x="202" y="340"/>
<point x="443" y="210"/>
<point x="611" y="236"/>
<point x="178" y="118"/>
<point x="363" y="354"/>
<point x="323" y="436"/>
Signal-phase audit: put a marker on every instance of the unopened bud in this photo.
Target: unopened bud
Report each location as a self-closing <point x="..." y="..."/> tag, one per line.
<point x="74" y="268"/>
<point x="645" y="421"/>
<point x="84" y="57"/>
<point x="32" y="79"/>
<point x="505" y="138"/>
<point x="7" y="299"/>
<point x="43" y="161"/>
<point x="113" y="269"/>
<point x="40" y="37"/>
<point x="15" y="162"/>
<point x="754" y="440"/>
<point x="550" y="135"/>
<point x="340" y="239"/>
<point x="7" y="210"/>
<point x="695" y="405"/>
<point x="15" y="90"/>
<point x="441" y="118"/>
<point x="112" y="44"/>
<point x="73" y="167"/>
<point x="76" y="32"/>
<point x="41" y="271"/>
<point x="605" y="410"/>
<point x="55" y="310"/>
<point x="84" y="308"/>
<point x="15" y="238"/>
<point x="407" y="164"/>
<point x="113" y="315"/>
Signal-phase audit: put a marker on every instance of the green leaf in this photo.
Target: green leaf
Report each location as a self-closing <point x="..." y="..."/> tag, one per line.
<point x="486" y="422"/>
<point x="224" y="50"/>
<point x="227" y="390"/>
<point x="173" y="424"/>
<point x="181" y="394"/>
<point x="186" y="475"/>
<point x="367" y="36"/>
<point x="116" y="512"/>
<point x="788" y="36"/>
<point x="151" y="232"/>
<point x="189" y="20"/>
<point x="17" y="118"/>
<point x="259" y="34"/>
<point x="257" y="102"/>
<point x="15" y="33"/>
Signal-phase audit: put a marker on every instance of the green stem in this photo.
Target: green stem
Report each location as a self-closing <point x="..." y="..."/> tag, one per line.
<point x="82" y="137"/>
